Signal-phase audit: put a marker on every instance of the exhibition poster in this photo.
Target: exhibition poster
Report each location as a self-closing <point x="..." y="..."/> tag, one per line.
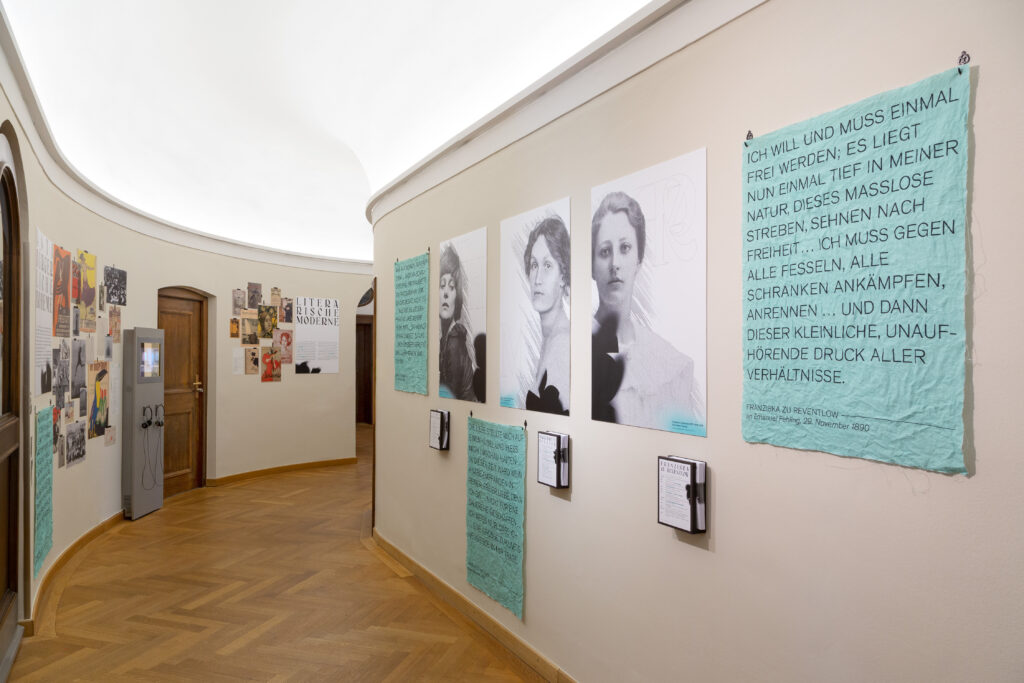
<point x="495" y="495"/>
<point x="854" y="277"/>
<point x="411" y="295"/>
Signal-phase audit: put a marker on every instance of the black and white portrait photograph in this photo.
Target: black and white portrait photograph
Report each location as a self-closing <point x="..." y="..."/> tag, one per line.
<point x="649" y="297"/>
<point x="238" y="301"/>
<point x="115" y="281"/>
<point x="535" y="268"/>
<point x="61" y="375"/>
<point x="60" y="450"/>
<point x="75" y="443"/>
<point x="45" y="375"/>
<point x="462" y="308"/>
<point x="78" y="367"/>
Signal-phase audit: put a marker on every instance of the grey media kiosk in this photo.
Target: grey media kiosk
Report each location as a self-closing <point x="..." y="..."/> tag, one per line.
<point x="142" y="454"/>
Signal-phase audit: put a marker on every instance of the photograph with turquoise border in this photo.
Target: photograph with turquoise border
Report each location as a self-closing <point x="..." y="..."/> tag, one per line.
<point x="648" y="238"/>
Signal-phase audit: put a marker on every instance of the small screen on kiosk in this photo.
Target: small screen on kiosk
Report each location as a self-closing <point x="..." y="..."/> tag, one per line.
<point x="150" y="365"/>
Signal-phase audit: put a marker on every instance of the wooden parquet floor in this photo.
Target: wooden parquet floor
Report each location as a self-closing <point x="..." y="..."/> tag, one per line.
<point x="266" y="579"/>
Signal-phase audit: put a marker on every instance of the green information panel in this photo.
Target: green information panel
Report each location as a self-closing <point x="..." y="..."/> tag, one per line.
<point x="494" y="511"/>
<point x="42" y="540"/>
<point x="411" y="282"/>
<point x="854" y="233"/>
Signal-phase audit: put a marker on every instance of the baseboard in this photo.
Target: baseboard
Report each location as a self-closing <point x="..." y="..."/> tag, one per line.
<point x="544" y="667"/>
<point x="69" y="552"/>
<point x="232" y="478"/>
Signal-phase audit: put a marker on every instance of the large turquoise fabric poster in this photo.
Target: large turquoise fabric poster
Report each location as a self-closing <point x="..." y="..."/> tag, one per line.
<point x="495" y="505"/>
<point x="854" y="278"/>
<point x="412" y="279"/>
<point x="42" y="540"/>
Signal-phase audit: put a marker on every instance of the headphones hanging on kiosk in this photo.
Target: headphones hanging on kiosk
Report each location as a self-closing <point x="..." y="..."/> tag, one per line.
<point x="147" y="416"/>
<point x="160" y="415"/>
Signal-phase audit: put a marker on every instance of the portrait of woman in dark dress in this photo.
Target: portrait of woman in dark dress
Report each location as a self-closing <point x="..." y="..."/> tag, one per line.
<point x="460" y="376"/>
<point x="546" y="261"/>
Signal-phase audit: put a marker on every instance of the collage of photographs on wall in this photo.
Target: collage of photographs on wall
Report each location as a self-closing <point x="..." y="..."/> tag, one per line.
<point x="77" y="325"/>
<point x="299" y="331"/>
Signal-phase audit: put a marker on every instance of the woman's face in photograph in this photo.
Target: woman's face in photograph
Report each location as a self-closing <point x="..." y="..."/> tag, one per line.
<point x="545" y="277"/>
<point x="447" y="296"/>
<point x="615" y="261"/>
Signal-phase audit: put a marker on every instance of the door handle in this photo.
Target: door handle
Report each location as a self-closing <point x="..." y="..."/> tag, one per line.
<point x="197" y="386"/>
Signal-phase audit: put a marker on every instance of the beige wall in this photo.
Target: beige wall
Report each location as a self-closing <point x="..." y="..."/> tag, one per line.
<point x="815" y="567"/>
<point x="251" y="425"/>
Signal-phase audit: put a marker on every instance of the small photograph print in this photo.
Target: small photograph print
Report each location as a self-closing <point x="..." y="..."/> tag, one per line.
<point x="115" y="281"/>
<point x="75" y="443"/>
<point x="649" y="297"/>
<point x="238" y="301"/>
<point x="275" y="297"/>
<point x="69" y="412"/>
<point x="285" y="314"/>
<point x="254" y="295"/>
<point x="61" y="451"/>
<point x="57" y="430"/>
<point x="45" y="373"/>
<point x="61" y="376"/>
<point x="114" y="329"/>
<point x="108" y="347"/>
<point x="283" y="340"/>
<point x="252" y="360"/>
<point x="110" y="436"/>
<point x="78" y="367"/>
<point x="535" y="277"/>
<point x="462" y="307"/>
<point x="250" y="327"/>
<point x="233" y="328"/>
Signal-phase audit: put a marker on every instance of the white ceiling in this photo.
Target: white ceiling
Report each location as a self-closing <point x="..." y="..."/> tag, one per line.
<point x="272" y="123"/>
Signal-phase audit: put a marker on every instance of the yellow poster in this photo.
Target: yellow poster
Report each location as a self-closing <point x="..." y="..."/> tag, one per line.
<point x="86" y="291"/>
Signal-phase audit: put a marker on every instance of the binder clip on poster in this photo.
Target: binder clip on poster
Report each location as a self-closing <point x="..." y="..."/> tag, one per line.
<point x="682" y="493"/>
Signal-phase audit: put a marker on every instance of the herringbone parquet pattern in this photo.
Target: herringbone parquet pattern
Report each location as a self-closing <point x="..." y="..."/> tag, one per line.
<point x="268" y="579"/>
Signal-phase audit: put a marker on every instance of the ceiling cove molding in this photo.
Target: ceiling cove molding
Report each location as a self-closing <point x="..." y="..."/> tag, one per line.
<point x="658" y="30"/>
<point x="65" y="177"/>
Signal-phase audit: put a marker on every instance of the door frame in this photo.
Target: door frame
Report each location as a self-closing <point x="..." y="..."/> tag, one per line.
<point x="20" y="374"/>
<point x="373" y="409"/>
<point x="194" y="294"/>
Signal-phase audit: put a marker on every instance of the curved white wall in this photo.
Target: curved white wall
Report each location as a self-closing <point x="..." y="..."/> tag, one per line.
<point x="815" y="567"/>
<point x="251" y="426"/>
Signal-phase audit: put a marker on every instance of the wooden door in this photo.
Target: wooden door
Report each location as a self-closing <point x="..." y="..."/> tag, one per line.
<point x="364" y="368"/>
<point x="181" y="314"/>
<point x="10" y="420"/>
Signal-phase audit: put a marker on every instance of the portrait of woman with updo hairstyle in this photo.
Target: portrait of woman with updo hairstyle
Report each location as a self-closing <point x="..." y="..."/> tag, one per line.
<point x="649" y="281"/>
<point x="536" y="258"/>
